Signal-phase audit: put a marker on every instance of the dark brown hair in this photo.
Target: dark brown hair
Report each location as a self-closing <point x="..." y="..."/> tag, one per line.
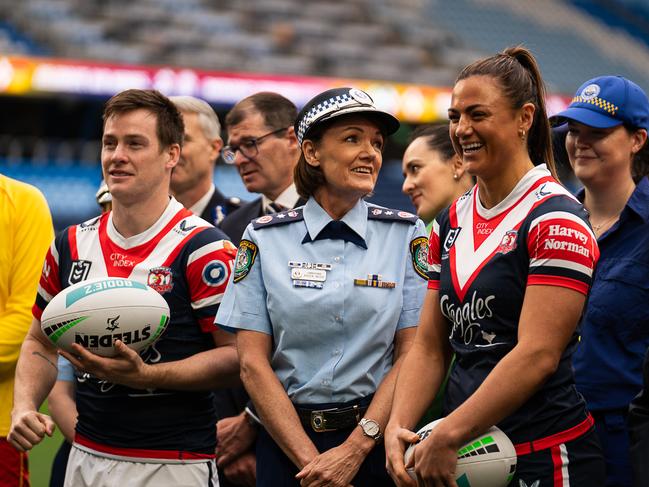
<point x="169" y="122"/>
<point x="437" y="138"/>
<point x="519" y="76"/>
<point x="277" y="111"/>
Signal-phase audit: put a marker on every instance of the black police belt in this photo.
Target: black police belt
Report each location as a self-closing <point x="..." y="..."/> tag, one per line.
<point x="332" y="419"/>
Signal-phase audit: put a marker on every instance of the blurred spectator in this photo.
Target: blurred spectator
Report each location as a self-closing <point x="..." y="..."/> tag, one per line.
<point x="192" y="178"/>
<point x="25" y="234"/>
<point x="263" y="146"/>
<point x="608" y="121"/>
<point x="434" y="173"/>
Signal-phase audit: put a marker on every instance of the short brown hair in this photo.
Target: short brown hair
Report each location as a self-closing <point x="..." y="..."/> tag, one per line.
<point x="169" y="122"/>
<point x="277" y="111"/>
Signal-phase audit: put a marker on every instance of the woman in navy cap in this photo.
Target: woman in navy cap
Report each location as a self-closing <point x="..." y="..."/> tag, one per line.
<point x="510" y="265"/>
<point x="606" y="143"/>
<point x="325" y="299"/>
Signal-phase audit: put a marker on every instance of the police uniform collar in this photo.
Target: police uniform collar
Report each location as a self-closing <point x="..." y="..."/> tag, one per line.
<point x="316" y="219"/>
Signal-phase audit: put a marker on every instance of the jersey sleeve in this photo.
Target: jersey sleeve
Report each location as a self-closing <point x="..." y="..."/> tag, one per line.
<point x="49" y="284"/>
<point x="563" y="250"/>
<point x="209" y="266"/>
<point x="244" y="303"/>
<point x="434" y="256"/>
<point x="415" y="277"/>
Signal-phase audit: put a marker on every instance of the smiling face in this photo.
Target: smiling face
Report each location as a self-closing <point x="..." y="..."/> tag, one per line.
<point x="485" y="129"/>
<point x="349" y="155"/>
<point x="429" y="179"/>
<point x="196" y="158"/>
<point x="135" y="167"/>
<point x="602" y="156"/>
<point x="271" y="171"/>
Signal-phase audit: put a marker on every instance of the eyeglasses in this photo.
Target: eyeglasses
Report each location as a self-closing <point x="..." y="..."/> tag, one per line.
<point x="249" y="147"/>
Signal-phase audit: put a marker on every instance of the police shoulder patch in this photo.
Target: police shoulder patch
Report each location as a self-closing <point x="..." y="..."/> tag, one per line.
<point x="280" y="218"/>
<point x="387" y="214"/>
<point x="419" y="254"/>
<point x="245" y="259"/>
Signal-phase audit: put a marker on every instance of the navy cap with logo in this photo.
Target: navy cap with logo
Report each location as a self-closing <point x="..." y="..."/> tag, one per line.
<point x="607" y="101"/>
<point x="337" y="102"/>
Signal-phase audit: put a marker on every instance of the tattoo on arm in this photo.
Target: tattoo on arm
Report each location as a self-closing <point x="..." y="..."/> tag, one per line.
<point x="46" y="359"/>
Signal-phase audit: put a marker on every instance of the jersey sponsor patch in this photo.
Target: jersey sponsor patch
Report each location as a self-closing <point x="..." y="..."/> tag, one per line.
<point x="215" y="273"/>
<point x="419" y="255"/>
<point x="245" y="259"/>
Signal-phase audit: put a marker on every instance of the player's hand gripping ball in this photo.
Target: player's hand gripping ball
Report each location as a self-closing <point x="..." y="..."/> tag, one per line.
<point x="487" y="461"/>
<point x="96" y="312"/>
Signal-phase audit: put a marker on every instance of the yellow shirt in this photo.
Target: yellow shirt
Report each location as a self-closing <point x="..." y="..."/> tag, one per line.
<point x="25" y="235"/>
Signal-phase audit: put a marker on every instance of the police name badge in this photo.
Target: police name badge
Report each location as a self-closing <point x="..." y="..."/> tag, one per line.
<point x="309" y="274"/>
<point x="309" y="265"/>
<point x="311" y="284"/>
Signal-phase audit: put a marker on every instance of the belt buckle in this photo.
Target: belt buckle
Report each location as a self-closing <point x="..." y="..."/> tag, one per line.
<point x="319" y="422"/>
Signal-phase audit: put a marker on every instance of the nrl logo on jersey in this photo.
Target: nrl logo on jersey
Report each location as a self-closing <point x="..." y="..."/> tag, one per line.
<point x="79" y="271"/>
<point x="451" y="237"/>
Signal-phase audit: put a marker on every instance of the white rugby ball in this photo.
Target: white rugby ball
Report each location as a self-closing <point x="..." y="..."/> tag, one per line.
<point x="96" y="312"/>
<point x="487" y="461"/>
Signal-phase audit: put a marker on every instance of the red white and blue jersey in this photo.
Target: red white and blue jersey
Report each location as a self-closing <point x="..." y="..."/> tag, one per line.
<point x="188" y="262"/>
<point x="482" y="260"/>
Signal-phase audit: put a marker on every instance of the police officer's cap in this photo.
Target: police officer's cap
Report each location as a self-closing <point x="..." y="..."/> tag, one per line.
<point x="337" y="102"/>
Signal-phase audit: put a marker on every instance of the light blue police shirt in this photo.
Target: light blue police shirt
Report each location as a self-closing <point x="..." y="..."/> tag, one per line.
<point x="334" y="343"/>
<point x="66" y="370"/>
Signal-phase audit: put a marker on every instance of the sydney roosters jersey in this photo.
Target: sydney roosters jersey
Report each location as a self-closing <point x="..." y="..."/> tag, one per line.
<point x="188" y="262"/>
<point x="482" y="260"/>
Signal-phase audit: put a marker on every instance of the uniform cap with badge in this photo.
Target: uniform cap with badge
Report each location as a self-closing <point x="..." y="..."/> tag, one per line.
<point x="605" y="102"/>
<point x="337" y="102"/>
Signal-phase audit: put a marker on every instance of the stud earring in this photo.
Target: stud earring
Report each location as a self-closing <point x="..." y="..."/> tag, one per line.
<point x="455" y="176"/>
<point x="521" y="134"/>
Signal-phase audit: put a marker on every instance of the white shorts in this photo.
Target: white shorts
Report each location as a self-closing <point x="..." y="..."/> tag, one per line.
<point x="86" y="469"/>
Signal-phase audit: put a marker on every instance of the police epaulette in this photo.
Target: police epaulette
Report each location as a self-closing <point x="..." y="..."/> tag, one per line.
<point x="281" y="218"/>
<point x="377" y="213"/>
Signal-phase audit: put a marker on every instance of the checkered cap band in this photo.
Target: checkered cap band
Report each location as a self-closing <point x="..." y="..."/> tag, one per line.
<point x="324" y="108"/>
<point x="608" y="107"/>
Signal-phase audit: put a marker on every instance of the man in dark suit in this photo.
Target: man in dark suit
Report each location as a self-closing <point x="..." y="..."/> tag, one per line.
<point x="192" y="179"/>
<point x="263" y="146"/>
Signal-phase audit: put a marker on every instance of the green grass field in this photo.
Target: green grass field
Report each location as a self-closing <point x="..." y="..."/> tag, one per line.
<point x="40" y="458"/>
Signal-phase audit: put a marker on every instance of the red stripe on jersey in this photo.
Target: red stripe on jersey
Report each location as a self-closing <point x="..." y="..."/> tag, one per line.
<point x="141" y="453"/>
<point x="482" y="227"/>
<point x="136" y="254"/>
<point x="50" y="280"/>
<point x="207" y="325"/>
<point x="72" y="238"/>
<point x="174" y="253"/>
<point x="433" y="284"/>
<point x="556" y="439"/>
<point x="209" y="274"/>
<point x="563" y="239"/>
<point x="558" y="281"/>
<point x="434" y="249"/>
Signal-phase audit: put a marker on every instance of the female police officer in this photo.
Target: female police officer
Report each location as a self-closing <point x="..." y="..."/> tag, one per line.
<point x="325" y="299"/>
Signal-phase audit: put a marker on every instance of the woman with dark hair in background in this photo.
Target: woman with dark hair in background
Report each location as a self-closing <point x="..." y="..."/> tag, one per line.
<point x="325" y="300"/>
<point x="517" y="242"/>
<point x="607" y="146"/>
<point x="433" y="172"/>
